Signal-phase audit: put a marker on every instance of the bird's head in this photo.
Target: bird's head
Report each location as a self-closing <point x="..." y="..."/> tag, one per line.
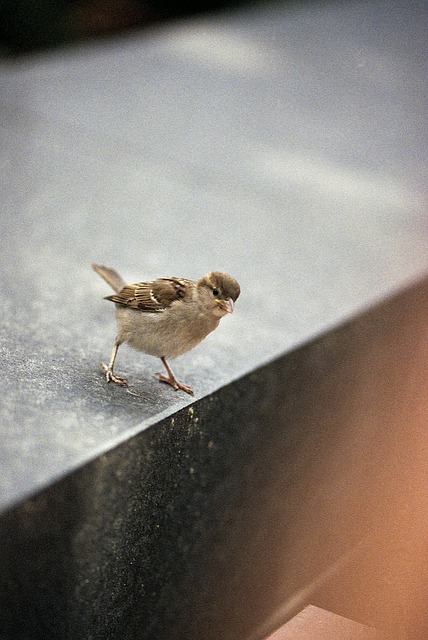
<point x="218" y="292"/>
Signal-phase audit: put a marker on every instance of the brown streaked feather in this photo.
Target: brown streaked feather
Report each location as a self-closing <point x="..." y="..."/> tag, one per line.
<point x="152" y="297"/>
<point x="167" y="290"/>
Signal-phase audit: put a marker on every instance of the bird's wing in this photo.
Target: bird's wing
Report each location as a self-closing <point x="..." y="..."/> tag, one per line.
<point x="153" y="297"/>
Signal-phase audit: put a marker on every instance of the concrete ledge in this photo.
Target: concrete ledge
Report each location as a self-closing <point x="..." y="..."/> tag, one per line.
<point x="233" y="514"/>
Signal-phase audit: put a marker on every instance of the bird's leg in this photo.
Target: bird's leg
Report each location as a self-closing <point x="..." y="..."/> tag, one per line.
<point x="110" y="376"/>
<point x="172" y="380"/>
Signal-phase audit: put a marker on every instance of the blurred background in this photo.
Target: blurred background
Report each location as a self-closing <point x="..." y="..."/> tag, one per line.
<point x="28" y="25"/>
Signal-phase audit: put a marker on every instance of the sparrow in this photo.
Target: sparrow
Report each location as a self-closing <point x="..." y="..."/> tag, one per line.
<point x="167" y="317"/>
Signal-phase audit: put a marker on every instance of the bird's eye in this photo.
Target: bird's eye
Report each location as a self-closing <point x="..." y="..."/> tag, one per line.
<point x="215" y="292"/>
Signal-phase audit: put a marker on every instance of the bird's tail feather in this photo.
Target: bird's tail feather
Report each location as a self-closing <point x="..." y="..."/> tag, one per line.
<point x="110" y="276"/>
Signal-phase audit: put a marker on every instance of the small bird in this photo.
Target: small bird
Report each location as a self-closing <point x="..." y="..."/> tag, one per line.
<point x="168" y="316"/>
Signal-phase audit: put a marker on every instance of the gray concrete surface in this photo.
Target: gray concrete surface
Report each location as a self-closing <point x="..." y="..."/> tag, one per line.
<point x="286" y="145"/>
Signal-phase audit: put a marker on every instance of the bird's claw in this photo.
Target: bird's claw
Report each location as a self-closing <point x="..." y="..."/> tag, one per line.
<point x="175" y="384"/>
<point x="111" y="377"/>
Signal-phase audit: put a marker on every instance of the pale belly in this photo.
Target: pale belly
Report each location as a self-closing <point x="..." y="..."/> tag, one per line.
<point x="160" y="334"/>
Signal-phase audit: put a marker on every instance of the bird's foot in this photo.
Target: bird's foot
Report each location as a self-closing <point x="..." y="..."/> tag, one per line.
<point x="175" y="384"/>
<point x="111" y="377"/>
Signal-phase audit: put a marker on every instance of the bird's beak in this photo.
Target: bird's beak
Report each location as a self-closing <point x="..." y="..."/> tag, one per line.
<point x="227" y="305"/>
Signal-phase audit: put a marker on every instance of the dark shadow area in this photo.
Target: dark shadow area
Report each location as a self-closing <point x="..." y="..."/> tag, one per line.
<point x="40" y="24"/>
<point x="304" y="482"/>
